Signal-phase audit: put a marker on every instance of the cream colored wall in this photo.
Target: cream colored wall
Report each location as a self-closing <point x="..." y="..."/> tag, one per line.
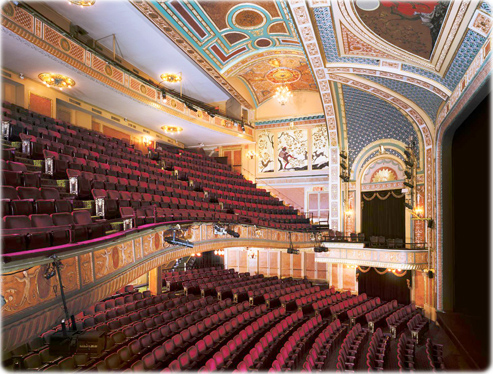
<point x="303" y="103"/>
<point x="78" y="117"/>
<point x="239" y="86"/>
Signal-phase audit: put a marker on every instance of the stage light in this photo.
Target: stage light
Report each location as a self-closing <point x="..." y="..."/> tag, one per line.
<point x="408" y="174"/>
<point x="220" y="230"/>
<point x="409" y="163"/>
<point x="407" y="153"/>
<point x="343" y="155"/>
<point x="178" y="241"/>
<point x="320" y="249"/>
<point x="408" y="206"/>
<point x="407" y="184"/>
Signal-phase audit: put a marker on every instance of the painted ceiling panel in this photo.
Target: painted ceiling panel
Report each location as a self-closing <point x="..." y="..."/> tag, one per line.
<point x="264" y="76"/>
<point x="425" y="99"/>
<point x="370" y="118"/>
<point x="323" y="20"/>
<point x="486" y="7"/>
<point x="412" y="26"/>
<point x="469" y="48"/>
<point x="226" y="31"/>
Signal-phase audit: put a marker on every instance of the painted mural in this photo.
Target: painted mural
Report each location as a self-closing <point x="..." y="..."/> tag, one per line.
<point x="292" y="150"/>
<point x="320" y="148"/>
<point x="411" y="25"/>
<point x="264" y="76"/>
<point x="266" y="152"/>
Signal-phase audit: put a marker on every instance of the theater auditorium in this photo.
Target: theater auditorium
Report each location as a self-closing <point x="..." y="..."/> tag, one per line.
<point x="276" y="185"/>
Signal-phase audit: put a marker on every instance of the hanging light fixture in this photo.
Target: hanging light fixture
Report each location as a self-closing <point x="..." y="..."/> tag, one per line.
<point x="82" y="3"/>
<point x="172" y="129"/>
<point x="171" y="78"/>
<point x="283" y="94"/>
<point x="56" y="80"/>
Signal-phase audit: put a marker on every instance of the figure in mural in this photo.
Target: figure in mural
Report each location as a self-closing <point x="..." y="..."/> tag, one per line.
<point x="411" y="25"/>
<point x="284" y="155"/>
<point x="265" y="161"/>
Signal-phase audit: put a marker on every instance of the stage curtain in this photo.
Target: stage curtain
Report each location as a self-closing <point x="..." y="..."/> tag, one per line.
<point x="383" y="214"/>
<point x="387" y="286"/>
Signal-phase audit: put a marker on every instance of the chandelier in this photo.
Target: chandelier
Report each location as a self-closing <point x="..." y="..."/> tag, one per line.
<point x="283" y="94"/>
<point x="172" y="129"/>
<point x="82" y="3"/>
<point x="171" y="78"/>
<point x="56" y="80"/>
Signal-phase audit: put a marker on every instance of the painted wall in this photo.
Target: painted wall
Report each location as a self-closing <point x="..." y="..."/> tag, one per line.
<point x="303" y="103"/>
<point x="23" y="88"/>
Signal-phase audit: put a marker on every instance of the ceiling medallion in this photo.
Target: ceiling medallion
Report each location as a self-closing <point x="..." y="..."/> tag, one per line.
<point x="248" y="19"/>
<point x="56" y="80"/>
<point x="171" y="129"/>
<point x="82" y="3"/>
<point x="171" y="78"/>
<point x="283" y="75"/>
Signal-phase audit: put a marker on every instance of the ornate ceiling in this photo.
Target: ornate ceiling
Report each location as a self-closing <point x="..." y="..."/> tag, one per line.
<point x="255" y="42"/>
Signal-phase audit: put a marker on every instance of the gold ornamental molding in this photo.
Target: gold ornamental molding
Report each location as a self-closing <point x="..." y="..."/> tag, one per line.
<point x="92" y="272"/>
<point x="383" y="258"/>
<point x="67" y="50"/>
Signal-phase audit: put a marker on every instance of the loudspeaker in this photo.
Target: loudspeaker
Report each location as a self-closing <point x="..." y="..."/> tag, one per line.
<point x="430" y="274"/>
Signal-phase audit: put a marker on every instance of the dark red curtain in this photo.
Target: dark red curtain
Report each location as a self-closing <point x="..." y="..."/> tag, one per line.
<point x="387" y="286"/>
<point x="383" y="214"/>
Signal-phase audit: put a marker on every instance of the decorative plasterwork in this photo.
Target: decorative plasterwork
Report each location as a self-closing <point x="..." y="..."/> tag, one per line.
<point x="286" y="122"/>
<point x="307" y="35"/>
<point x="162" y="24"/>
<point x="399" y="75"/>
<point x="383" y="163"/>
<point x="383" y="258"/>
<point x="92" y="272"/>
<point x="41" y="35"/>
<point x="413" y="111"/>
<point x="445" y="47"/>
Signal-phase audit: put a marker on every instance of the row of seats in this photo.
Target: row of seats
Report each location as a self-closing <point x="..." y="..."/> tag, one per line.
<point x="22" y="233"/>
<point x="397" y="321"/>
<point x="340" y="309"/>
<point x="350" y="347"/>
<point x="418" y="326"/>
<point x="16" y="174"/>
<point x="360" y="311"/>
<point x="406" y="354"/>
<point x="254" y="360"/>
<point x="376" y="317"/>
<point x="238" y="330"/>
<point x="31" y="200"/>
<point x="325" y="343"/>
<point x="377" y="350"/>
<point x="434" y="353"/>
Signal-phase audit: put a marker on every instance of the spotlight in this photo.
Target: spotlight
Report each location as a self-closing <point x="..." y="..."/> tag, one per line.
<point x="407" y="153"/>
<point x="220" y="230"/>
<point x="293" y="251"/>
<point x="408" y="206"/>
<point x="409" y="163"/>
<point x="408" y="174"/>
<point x="343" y="165"/>
<point x="320" y="249"/>
<point x="178" y="241"/>
<point x="343" y="155"/>
<point x="407" y="184"/>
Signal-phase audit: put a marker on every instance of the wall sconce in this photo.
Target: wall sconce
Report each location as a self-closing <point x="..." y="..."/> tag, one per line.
<point x="349" y="212"/>
<point x="251" y="254"/>
<point x="219" y="252"/>
<point x="146" y="141"/>
<point x="251" y="154"/>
